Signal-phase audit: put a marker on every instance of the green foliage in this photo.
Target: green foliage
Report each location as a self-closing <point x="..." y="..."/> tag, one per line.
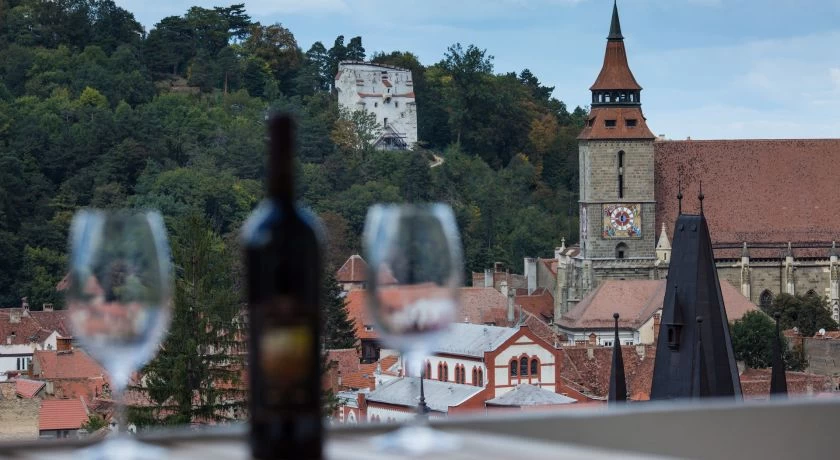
<point x="752" y="340"/>
<point x="338" y="331"/>
<point x="808" y="313"/>
<point x="196" y="375"/>
<point x="94" y="423"/>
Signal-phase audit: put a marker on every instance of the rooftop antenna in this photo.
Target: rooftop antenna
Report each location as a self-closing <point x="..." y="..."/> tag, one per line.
<point x="679" y="193"/>
<point x="701" y="197"/>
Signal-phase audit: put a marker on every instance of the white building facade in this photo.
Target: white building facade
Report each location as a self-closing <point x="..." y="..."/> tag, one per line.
<point x="385" y="91"/>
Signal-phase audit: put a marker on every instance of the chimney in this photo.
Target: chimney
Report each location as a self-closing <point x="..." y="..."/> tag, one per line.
<point x="503" y="287"/>
<point x="24" y="305"/>
<point x="48" y="307"/>
<point x="14" y="316"/>
<point x="9" y="339"/>
<point x="531" y="274"/>
<point x="593" y="340"/>
<point x="657" y="318"/>
<point x="488" y="277"/>
<point x="497" y="267"/>
<point x="510" y="306"/>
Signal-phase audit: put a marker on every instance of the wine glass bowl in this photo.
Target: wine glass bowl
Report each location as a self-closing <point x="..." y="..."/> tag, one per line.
<point x="120" y="289"/>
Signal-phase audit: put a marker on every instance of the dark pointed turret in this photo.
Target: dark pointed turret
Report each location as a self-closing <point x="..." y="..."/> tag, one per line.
<point x="778" y="379"/>
<point x="615" y="25"/>
<point x="618" y="383"/>
<point x="696" y="359"/>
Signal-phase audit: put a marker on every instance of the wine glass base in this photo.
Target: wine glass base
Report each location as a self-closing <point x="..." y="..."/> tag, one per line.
<point x="124" y="447"/>
<point x="414" y="440"/>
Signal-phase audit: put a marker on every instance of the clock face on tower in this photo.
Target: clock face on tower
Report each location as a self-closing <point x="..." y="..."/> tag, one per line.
<point x="622" y="220"/>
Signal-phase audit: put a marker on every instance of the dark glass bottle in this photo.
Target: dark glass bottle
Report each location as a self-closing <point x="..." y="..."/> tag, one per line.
<point x="283" y="264"/>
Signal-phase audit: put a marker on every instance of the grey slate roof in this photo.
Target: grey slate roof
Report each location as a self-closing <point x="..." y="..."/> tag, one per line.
<point x="472" y="339"/>
<point x="440" y="396"/>
<point x="529" y="395"/>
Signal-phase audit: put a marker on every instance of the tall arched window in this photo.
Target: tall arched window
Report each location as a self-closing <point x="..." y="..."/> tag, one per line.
<point x="523" y="366"/>
<point x="514" y="367"/>
<point x="475" y="375"/>
<point x="621" y="174"/>
<point x="445" y="372"/>
<point x="428" y="370"/>
<point x="480" y="377"/>
<point x="765" y="300"/>
<point x="621" y="251"/>
<point x="535" y="367"/>
<point x="440" y="371"/>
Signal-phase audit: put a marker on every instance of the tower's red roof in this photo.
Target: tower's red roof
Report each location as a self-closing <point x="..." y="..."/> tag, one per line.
<point x="596" y="125"/>
<point x="615" y="73"/>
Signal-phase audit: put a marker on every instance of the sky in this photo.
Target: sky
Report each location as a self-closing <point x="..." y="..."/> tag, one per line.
<point x="711" y="69"/>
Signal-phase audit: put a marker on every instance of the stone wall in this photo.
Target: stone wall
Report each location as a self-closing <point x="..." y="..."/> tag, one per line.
<point x="823" y="356"/>
<point x="19" y="419"/>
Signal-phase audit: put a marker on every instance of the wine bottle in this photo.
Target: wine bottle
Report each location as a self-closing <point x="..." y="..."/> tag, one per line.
<point x="283" y="265"/>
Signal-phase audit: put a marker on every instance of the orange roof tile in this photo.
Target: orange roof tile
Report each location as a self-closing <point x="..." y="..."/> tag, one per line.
<point x="66" y="365"/>
<point x="62" y="414"/>
<point x="615" y="72"/>
<point x="28" y="388"/>
<point x="357" y="311"/>
<point x="540" y="303"/>
<point x="769" y="175"/>
<point x="482" y="305"/>
<point x="354" y="270"/>
<point x="636" y="301"/>
<point x="596" y="125"/>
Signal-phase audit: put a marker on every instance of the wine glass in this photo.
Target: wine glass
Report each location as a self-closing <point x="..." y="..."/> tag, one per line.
<point x="119" y="300"/>
<point x="414" y="278"/>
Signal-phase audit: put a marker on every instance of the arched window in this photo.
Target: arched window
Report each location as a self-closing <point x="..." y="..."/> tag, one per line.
<point x="621" y="251"/>
<point x="475" y="376"/>
<point x="811" y="293"/>
<point x="440" y="371"/>
<point x="621" y="174"/>
<point x="523" y="366"/>
<point x="445" y="372"/>
<point x="765" y="300"/>
<point x="480" y="377"/>
<point x="513" y="367"/>
<point x="428" y="370"/>
<point x="535" y="367"/>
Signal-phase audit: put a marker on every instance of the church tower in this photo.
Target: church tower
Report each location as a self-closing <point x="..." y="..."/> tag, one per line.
<point x="617" y="204"/>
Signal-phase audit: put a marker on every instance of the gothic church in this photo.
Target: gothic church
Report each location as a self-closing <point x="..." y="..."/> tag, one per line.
<point x="769" y="203"/>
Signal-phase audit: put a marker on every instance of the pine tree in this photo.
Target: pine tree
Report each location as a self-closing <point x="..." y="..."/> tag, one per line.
<point x="196" y="375"/>
<point x="339" y="330"/>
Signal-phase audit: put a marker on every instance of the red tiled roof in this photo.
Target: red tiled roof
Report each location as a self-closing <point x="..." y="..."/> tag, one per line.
<point x="594" y="373"/>
<point x="354" y="270"/>
<point x="636" y="301"/>
<point x="755" y="383"/>
<point x="755" y="190"/>
<point x="357" y="311"/>
<point x="615" y="73"/>
<point x="596" y="127"/>
<point x="541" y="329"/>
<point x="28" y="388"/>
<point x="55" y="320"/>
<point x="540" y="303"/>
<point x="66" y="365"/>
<point x="29" y="329"/>
<point x="482" y="305"/>
<point x="62" y="414"/>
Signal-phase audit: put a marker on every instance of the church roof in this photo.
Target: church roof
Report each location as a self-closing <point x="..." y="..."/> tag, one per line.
<point x="529" y="395"/>
<point x="755" y="190"/>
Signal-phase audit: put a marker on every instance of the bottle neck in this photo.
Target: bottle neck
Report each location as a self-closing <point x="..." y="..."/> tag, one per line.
<point x="281" y="186"/>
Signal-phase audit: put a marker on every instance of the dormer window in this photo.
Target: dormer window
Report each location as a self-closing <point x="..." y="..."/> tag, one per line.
<point x="609" y="123"/>
<point x="631" y="122"/>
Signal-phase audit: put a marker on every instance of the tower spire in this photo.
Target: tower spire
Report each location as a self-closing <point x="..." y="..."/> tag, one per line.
<point x="618" y="382"/>
<point x="778" y="380"/>
<point x="615" y="25"/>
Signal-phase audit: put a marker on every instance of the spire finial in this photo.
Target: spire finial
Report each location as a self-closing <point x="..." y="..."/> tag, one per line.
<point x="701" y="197"/>
<point x="679" y="194"/>
<point x="615" y="25"/>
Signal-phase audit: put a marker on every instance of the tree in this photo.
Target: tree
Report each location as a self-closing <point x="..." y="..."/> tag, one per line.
<point x="809" y="313"/>
<point x="752" y="340"/>
<point x="196" y="375"/>
<point x="339" y="330"/>
<point x="355" y="51"/>
<point x="94" y="423"/>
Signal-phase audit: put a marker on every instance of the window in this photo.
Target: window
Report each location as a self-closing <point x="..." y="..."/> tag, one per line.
<point x="609" y="123"/>
<point x="368" y="327"/>
<point x="480" y="377"/>
<point x="765" y="300"/>
<point x="445" y="376"/>
<point x="621" y="174"/>
<point x="631" y="122"/>
<point x="376" y="104"/>
<point x="428" y="374"/>
<point x="385" y="122"/>
<point x="621" y="251"/>
<point x="440" y="371"/>
<point x="396" y="104"/>
<point x="591" y="122"/>
<point x="523" y="366"/>
<point x="475" y="376"/>
<point x="607" y="343"/>
<point x="811" y="293"/>
<point x="535" y="367"/>
<point x="513" y="367"/>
